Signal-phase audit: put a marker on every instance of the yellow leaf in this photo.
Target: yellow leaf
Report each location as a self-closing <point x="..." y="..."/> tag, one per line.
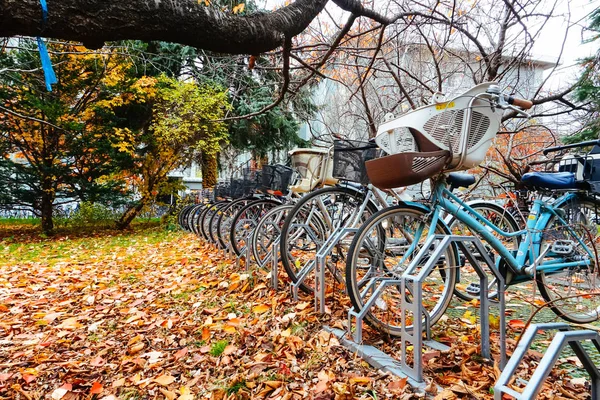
<point x="229" y="329"/>
<point x="239" y="8"/>
<point x="169" y="395"/>
<point x="360" y="379"/>
<point x="263" y="308"/>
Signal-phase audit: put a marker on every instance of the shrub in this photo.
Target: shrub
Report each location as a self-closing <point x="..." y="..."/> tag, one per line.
<point x="92" y="214"/>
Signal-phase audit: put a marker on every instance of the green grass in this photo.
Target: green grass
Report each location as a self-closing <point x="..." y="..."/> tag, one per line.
<point x="19" y="221"/>
<point x="217" y="348"/>
<point x="73" y="248"/>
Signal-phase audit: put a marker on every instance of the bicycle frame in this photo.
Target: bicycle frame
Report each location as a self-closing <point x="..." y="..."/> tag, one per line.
<point x="529" y="256"/>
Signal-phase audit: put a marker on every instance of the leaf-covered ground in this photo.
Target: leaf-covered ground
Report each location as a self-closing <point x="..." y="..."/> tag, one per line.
<point x="155" y="314"/>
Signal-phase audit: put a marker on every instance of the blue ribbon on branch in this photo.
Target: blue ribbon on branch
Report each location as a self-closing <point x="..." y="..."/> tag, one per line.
<point x="49" y="75"/>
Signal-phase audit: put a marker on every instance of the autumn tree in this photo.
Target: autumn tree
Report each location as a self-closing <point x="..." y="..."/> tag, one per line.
<point x="53" y="151"/>
<point x="163" y="124"/>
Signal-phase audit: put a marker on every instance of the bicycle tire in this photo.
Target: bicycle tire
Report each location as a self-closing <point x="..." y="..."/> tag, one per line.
<point x="226" y="214"/>
<point x="242" y="225"/>
<point x="385" y="314"/>
<point x="183" y="216"/>
<point x="291" y="263"/>
<point x="267" y="232"/>
<point x="212" y="225"/>
<point x="583" y="215"/>
<point x="191" y="217"/>
<point x="207" y="216"/>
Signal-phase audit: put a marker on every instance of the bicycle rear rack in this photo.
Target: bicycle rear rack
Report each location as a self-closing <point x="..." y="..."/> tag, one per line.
<point x="561" y="339"/>
<point x="412" y="281"/>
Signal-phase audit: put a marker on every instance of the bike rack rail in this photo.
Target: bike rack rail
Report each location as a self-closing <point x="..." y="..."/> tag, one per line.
<point x="275" y="264"/>
<point x="245" y="253"/>
<point x="412" y="281"/>
<point x="318" y="265"/>
<point x="564" y="336"/>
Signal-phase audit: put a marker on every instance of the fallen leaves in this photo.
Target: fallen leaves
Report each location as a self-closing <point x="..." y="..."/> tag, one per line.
<point x="260" y="309"/>
<point x="138" y="316"/>
<point x="164" y="380"/>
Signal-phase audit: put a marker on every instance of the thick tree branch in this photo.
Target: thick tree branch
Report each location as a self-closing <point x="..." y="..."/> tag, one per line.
<point x="182" y="21"/>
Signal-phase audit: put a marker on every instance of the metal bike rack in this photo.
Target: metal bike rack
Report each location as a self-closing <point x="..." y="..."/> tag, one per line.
<point x="319" y="265"/>
<point x="412" y="281"/>
<point x="564" y="336"/>
<point x="245" y="254"/>
<point x="275" y="264"/>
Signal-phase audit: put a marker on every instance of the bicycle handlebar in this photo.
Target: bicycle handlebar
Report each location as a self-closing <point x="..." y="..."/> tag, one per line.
<point x="522" y="103"/>
<point x="572" y="146"/>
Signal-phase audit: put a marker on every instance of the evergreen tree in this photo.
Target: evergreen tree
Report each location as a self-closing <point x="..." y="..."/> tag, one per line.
<point x="588" y="87"/>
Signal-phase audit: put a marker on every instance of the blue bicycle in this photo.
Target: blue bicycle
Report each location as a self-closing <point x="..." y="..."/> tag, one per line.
<point x="557" y="249"/>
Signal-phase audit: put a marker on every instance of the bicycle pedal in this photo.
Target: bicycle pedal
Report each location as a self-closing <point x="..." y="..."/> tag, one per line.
<point x="473" y="289"/>
<point x="563" y="247"/>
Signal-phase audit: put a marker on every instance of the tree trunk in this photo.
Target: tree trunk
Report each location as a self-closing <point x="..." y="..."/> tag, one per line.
<point x="46" y="206"/>
<point x="209" y="171"/>
<point x="189" y="22"/>
<point x="130" y="214"/>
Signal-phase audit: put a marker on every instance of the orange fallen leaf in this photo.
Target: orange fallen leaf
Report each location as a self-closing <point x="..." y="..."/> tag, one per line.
<point x="181" y="353"/>
<point x="516" y="324"/>
<point x="360" y="379"/>
<point x="205" y="334"/>
<point x="96" y="388"/>
<point x="397" y="384"/>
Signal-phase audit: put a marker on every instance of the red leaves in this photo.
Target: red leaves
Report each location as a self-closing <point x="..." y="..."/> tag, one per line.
<point x="516" y="324"/>
<point x="96" y="388"/>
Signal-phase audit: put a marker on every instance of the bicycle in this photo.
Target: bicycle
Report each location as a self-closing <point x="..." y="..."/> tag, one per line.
<point x="326" y="217"/>
<point x="552" y="252"/>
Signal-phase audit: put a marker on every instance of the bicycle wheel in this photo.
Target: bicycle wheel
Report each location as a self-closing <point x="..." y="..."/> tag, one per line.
<point x="267" y="232"/>
<point x="573" y="293"/>
<point x="381" y="250"/>
<point x="310" y="223"/>
<point x="201" y="220"/>
<point x="207" y="218"/>
<point x="183" y="216"/>
<point x="467" y="281"/>
<point x="191" y="217"/>
<point x="225" y="219"/>
<point x="212" y="225"/>
<point x="245" y="221"/>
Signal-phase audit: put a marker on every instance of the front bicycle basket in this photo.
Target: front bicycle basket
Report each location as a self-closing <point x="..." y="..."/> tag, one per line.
<point x="349" y="157"/>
